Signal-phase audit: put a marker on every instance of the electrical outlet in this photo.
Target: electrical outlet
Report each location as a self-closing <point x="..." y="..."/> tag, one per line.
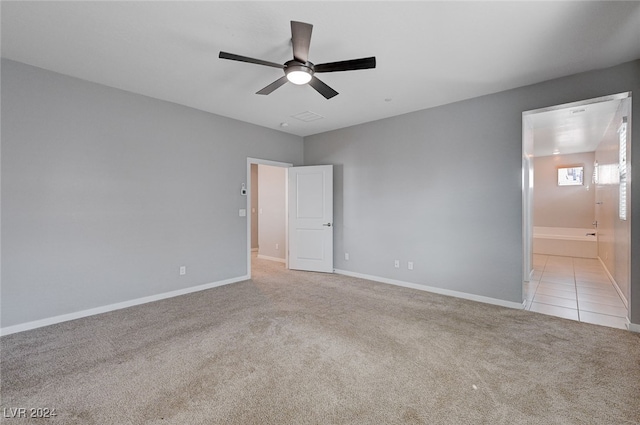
<point x="396" y="264"/>
<point x="410" y="265"/>
<point x="183" y="270"/>
<point x="346" y="256"/>
<point x="277" y="246"/>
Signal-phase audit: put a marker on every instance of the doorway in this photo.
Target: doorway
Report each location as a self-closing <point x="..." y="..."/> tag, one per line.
<point x="269" y="241"/>
<point x="574" y="156"/>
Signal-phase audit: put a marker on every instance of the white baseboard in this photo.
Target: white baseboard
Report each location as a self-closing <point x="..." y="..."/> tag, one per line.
<point x="449" y="292"/>
<point x="266" y="257"/>
<point x="633" y="327"/>
<point x="615" y="284"/>
<point x="117" y="306"/>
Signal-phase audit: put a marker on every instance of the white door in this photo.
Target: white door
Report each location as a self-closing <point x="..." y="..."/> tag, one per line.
<point x="311" y="218"/>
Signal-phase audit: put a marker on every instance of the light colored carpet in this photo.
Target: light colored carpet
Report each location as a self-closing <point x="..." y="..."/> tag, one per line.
<point x="306" y="348"/>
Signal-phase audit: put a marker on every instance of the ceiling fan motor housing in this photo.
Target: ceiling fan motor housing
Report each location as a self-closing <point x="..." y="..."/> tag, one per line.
<point x="297" y="72"/>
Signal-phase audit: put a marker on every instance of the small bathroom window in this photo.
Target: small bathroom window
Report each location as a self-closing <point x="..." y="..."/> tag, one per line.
<point x="570" y="176"/>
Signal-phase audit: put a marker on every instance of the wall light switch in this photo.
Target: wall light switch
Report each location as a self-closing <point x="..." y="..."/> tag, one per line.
<point x="242" y="212"/>
<point x="410" y="265"/>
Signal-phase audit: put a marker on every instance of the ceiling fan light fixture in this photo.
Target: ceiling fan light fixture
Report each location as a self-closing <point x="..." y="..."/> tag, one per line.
<point x="298" y="74"/>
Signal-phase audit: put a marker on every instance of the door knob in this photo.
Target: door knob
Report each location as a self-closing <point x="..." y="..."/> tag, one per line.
<point x="327" y="224"/>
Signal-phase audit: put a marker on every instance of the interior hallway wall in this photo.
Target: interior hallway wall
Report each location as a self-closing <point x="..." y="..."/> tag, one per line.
<point x="106" y="193"/>
<point x="443" y="187"/>
<point x="563" y="206"/>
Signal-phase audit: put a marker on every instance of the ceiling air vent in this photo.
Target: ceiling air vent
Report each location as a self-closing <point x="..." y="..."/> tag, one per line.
<point x="307" y="116"/>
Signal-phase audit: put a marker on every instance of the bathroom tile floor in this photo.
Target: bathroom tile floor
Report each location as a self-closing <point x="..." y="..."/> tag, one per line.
<point x="574" y="288"/>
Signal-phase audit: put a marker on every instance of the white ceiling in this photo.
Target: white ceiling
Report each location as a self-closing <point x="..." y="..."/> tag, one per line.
<point x="573" y="128"/>
<point x="428" y="53"/>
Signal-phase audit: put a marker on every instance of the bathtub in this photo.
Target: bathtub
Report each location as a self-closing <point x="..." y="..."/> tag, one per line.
<point x="566" y="241"/>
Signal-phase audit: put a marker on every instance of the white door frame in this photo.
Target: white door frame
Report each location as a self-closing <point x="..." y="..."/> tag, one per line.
<point x="527" y="196"/>
<point x="258" y="161"/>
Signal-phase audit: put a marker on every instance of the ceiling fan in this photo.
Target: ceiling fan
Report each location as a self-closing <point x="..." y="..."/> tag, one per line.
<point x="299" y="70"/>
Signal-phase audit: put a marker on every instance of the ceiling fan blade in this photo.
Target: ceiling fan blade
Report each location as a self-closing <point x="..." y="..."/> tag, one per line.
<point x="301" y="39"/>
<point x="322" y="88"/>
<point x="271" y="87"/>
<point x="349" y="65"/>
<point x="233" y="57"/>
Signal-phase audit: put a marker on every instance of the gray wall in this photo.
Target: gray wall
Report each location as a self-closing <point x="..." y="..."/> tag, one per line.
<point x="106" y="193"/>
<point x="442" y="187"/>
<point x="563" y="206"/>
<point x="272" y="211"/>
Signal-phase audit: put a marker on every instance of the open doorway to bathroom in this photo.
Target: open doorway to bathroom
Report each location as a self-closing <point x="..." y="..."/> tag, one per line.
<point x="576" y="227"/>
